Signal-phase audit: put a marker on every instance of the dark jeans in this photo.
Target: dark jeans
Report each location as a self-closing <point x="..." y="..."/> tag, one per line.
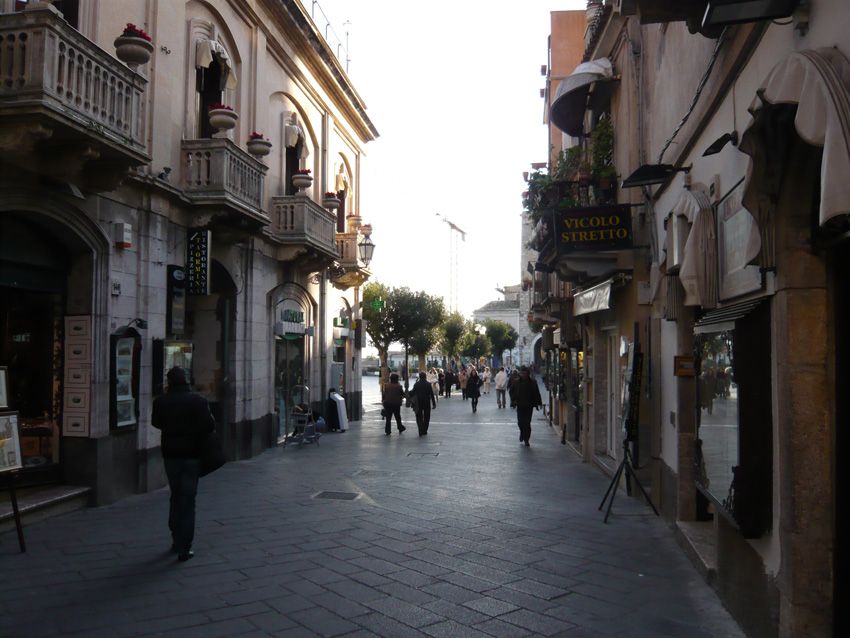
<point x="393" y="410"/>
<point x="423" y="418"/>
<point x="523" y="419"/>
<point x="474" y="403"/>
<point x="183" y="481"/>
<point x="500" y="397"/>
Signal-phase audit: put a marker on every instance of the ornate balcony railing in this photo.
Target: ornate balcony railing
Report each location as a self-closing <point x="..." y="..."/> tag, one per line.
<point x="302" y="225"/>
<point x="57" y="85"/>
<point x="218" y="173"/>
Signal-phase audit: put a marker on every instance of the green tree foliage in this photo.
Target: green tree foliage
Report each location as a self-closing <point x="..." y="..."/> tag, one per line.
<point x="474" y="344"/>
<point x="379" y="323"/>
<point x="502" y="336"/>
<point x="422" y="342"/>
<point x="451" y="332"/>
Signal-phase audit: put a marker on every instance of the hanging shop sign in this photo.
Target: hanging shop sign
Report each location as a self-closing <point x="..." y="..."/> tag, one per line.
<point x="198" y="261"/>
<point x="175" y="311"/>
<point x="289" y="318"/>
<point x="594" y="228"/>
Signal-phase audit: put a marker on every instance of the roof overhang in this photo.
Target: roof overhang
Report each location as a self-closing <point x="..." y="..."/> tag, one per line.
<point x="575" y="94"/>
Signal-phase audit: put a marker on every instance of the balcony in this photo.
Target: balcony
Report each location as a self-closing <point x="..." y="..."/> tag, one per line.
<point x="219" y="175"/>
<point x="350" y="271"/>
<point x="303" y="229"/>
<point x="69" y="110"/>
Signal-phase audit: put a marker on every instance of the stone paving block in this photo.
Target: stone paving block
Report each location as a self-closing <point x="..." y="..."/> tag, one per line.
<point x="354" y="591"/>
<point x="271" y="621"/>
<point x="451" y="629"/>
<point x="536" y="623"/>
<point x="412" y="578"/>
<point x="501" y="629"/>
<point x="222" y="629"/>
<point x="520" y="599"/>
<point x="404" y="612"/>
<point x="386" y="627"/>
<point x="538" y="589"/>
<point x="451" y="592"/>
<point x="323" y="622"/>
<point x="341" y="606"/>
<point x="370" y="578"/>
<point x="490" y="606"/>
<point x="456" y="612"/>
<point x="425" y="568"/>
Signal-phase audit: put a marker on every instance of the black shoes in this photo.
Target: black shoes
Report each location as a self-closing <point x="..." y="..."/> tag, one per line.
<point x="527" y="444"/>
<point x="401" y="429"/>
<point x="186" y="556"/>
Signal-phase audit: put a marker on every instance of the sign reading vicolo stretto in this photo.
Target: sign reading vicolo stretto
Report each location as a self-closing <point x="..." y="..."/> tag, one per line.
<point x="595" y="228"/>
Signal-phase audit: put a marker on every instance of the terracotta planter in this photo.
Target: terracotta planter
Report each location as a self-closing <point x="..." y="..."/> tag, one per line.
<point x="331" y="203"/>
<point x="223" y="119"/>
<point x="259" y="147"/>
<point x="301" y="181"/>
<point x="132" y="50"/>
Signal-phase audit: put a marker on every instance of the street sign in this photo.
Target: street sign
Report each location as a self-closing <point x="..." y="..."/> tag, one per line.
<point x="198" y="261"/>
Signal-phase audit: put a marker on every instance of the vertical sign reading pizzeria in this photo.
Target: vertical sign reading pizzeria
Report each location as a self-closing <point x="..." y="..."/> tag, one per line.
<point x="198" y="261"/>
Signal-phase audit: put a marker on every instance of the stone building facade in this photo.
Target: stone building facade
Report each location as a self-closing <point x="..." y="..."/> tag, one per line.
<point x="152" y="214"/>
<point x="731" y="288"/>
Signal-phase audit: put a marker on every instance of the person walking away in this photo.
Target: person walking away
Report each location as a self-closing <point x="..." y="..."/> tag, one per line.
<point x="525" y="396"/>
<point x="463" y="377"/>
<point x="441" y="381"/>
<point x="423" y="391"/>
<point x="486" y="379"/>
<point x="184" y="418"/>
<point x="450" y="379"/>
<point x="393" y="397"/>
<point x="501" y="387"/>
<point x="432" y="379"/>
<point x="473" y="388"/>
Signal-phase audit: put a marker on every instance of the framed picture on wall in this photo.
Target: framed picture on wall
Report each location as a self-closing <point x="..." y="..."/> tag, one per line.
<point x="4" y="388"/>
<point x="738" y="243"/>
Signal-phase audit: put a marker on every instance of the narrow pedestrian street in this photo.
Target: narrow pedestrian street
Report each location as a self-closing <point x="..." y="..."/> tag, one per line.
<point x="461" y="533"/>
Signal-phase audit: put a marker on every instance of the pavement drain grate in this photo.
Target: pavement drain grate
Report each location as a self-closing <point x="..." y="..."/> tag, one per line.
<point x="423" y="454"/>
<point x="376" y="473"/>
<point x="338" y="496"/>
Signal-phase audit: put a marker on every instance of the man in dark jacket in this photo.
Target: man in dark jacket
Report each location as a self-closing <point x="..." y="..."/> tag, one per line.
<point x="525" y="396"/>
<point x="185" y="419"/>
<point x="423" y="394"/>
<point x="393" y="397"/>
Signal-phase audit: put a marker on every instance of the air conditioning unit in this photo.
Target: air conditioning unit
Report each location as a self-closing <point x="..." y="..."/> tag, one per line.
<point x="677" y="235"/>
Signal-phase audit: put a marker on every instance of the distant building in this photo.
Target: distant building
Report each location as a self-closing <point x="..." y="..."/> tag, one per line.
<point x="513" y="310"/>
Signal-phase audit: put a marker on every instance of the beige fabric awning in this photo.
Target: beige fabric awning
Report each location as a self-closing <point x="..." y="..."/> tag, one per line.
<point x="593" y="299"/>
<point x="570" y="103"/>
<point x="818" y="81"/>
<point x="698" y="273"/>
<point x="206" y="50"/>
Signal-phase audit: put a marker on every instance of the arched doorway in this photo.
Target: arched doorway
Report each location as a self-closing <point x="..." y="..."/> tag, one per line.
<point x="290" y="363"/>
<point x="45" y="275"/>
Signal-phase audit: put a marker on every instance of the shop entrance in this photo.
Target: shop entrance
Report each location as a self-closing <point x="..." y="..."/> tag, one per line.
<point x="33" y="278"/>
<point x="289" y="373"/>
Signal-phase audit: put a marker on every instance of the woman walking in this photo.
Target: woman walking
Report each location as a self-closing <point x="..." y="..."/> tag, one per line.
<point x="462" y="378"/>
<point x="486" y="379"/>
<point x="473" y="388"/>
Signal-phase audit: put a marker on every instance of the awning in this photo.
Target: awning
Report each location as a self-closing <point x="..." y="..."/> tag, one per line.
<point x="570" y="103"/>
<point x="818" y="82"/>
<point x="698" y="272"/>
<point x="593" y="299"/>
<point x="723" y="319"/>
<point x="206" y="50"/>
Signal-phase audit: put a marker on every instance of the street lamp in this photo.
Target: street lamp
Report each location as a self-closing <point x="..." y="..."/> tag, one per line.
<point x="366" y="248"/>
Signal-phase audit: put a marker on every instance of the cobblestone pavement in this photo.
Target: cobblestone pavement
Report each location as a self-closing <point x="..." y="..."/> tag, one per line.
<point x="460" y="533"/>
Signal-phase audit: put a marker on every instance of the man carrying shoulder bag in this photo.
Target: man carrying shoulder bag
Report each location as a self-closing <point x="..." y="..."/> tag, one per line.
<point x="188" y="442"/>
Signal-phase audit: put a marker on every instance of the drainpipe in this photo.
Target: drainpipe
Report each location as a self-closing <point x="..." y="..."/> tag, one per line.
<point x="323" y="350"/>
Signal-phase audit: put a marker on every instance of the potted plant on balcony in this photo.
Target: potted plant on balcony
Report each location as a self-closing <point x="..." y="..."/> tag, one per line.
<point x="302" y="179"/>
<point x="258" y="146"/>
<point x="133" y="46"/>
<point x="602" y="153"/>
<point x="222" y="117"/>
<point x="331" y="201"/>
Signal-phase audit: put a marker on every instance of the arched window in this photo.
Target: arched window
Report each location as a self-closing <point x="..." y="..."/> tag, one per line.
<point x="214" y="73"/>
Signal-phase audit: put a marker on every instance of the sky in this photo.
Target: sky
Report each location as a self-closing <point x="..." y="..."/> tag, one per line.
<point x="453" y="87"/>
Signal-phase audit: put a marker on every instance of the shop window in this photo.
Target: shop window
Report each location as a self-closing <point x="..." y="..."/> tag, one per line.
<point x="734" y="452"/>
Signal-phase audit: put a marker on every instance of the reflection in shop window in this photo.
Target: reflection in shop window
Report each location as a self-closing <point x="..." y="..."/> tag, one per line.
<point x="717" y="445"/>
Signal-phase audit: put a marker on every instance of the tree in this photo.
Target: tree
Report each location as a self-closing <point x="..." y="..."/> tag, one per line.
<point x="422" y="343"/>
<point x="452" y="330"/>
<point x="474" y="345"/>
<point x="502" y="336"/>
<point x="413" y="312"/>
<point x="379" y="323"/>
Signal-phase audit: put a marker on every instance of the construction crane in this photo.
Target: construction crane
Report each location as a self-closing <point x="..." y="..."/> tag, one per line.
<point x="455" y="233"/>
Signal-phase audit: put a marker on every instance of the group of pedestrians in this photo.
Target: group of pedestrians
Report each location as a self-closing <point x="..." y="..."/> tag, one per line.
<point x="518" y="384"/>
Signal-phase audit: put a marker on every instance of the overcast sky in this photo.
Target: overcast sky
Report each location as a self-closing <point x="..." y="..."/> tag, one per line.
<point x="453" y="88"/>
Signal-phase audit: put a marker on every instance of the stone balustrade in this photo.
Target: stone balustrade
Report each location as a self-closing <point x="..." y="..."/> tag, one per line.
<point x="297" y="220"/>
